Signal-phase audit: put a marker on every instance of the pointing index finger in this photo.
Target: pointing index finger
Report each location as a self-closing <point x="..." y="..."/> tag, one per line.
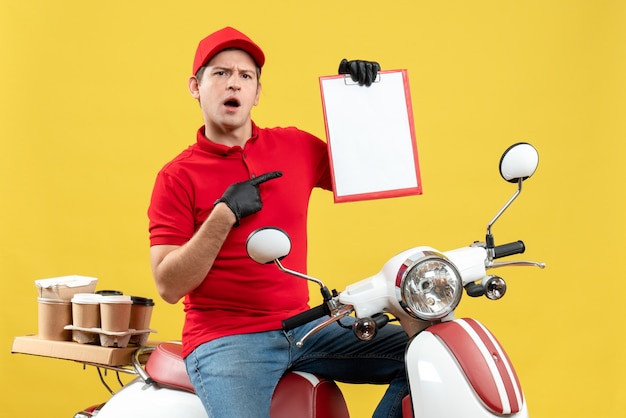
<point x="265" y="177"/>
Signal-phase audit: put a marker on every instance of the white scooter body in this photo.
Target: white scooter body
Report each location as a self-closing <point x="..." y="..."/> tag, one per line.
<point x="456" y="367"/>
<point x="139" y="399"/>
<point x="440" y="387"/>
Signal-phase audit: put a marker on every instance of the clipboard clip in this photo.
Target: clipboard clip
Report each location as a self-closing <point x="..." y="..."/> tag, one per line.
<point x="347" y="79"/>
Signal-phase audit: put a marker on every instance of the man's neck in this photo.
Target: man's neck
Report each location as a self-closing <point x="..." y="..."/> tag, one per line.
<point x="228" y="137"/>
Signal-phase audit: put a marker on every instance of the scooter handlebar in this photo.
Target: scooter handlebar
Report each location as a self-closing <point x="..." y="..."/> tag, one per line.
<point x="511" y="248"/>
<point x="305" y="317"/>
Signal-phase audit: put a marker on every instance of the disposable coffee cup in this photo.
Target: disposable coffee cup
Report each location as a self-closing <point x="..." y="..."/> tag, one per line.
<point x="53" y="316"/>
<point x="86" y="310"/>
<point x="115" y="313"/>
<point x="140" y="316"/>
<point x="141" y="313"/>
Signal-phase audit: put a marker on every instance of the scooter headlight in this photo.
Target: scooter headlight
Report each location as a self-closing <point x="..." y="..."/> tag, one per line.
<point x="428" y="286"/>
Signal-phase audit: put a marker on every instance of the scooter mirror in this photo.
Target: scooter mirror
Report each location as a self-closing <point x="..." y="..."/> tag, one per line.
<point x="265" y="245"/>
<point x="519" y="161"/>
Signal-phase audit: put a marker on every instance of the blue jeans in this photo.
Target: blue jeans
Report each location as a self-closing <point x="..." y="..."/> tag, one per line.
<point x="235" y="376"/>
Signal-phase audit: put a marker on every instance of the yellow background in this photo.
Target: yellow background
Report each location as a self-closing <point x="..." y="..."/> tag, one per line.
<point x="93" y="101"/>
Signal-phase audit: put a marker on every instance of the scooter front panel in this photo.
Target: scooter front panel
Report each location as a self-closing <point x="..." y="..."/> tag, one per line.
<point x="437" y="384"/>
<point x="463" y="356"/>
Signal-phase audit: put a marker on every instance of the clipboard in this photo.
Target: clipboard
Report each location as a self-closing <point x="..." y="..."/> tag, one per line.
<point x="371" y="137"/>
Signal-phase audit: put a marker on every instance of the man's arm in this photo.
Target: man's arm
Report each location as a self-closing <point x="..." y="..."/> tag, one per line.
<point x="177" y="270"/>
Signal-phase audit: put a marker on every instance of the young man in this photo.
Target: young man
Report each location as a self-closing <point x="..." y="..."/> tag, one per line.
<point x="236" y="178"/>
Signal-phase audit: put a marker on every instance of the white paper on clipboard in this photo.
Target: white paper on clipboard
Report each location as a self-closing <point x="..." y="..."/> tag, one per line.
<point x="371" y="137"/>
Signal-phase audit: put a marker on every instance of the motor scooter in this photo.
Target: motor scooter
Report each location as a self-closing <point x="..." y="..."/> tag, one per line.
<point x="455" y="366"/>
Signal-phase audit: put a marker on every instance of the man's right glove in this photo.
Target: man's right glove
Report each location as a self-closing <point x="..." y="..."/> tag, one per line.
<point x="244" y="198"/>
<point x="362" y="72"/>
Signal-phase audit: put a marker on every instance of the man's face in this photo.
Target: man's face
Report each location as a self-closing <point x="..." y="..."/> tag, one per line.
<point x="228" y="90"/>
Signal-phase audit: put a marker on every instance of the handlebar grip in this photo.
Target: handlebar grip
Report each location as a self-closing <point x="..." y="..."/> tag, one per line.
<point x="305" y="317"/>
<point x="511" y="248"/>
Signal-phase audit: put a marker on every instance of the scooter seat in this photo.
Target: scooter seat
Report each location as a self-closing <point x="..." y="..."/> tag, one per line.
<point x="166" y="367"/>
<point x="298" y="394"/>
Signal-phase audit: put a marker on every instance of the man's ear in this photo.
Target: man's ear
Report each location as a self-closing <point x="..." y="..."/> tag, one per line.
<point x="258" y="94"/>
<point x="194" y="87"/>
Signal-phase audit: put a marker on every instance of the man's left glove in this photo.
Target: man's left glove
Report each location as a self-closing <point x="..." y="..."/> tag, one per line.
<point x="362" y="72"/>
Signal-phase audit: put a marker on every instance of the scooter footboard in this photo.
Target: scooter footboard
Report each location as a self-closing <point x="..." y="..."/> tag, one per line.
<point x="458" y="368"/>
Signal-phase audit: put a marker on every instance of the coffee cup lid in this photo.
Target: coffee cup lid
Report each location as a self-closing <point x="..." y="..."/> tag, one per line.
<point x="116" y="299"/>
<point x="86" y="298"/>
<point x="109" y="292"/>
<point x="138" y="300"/>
